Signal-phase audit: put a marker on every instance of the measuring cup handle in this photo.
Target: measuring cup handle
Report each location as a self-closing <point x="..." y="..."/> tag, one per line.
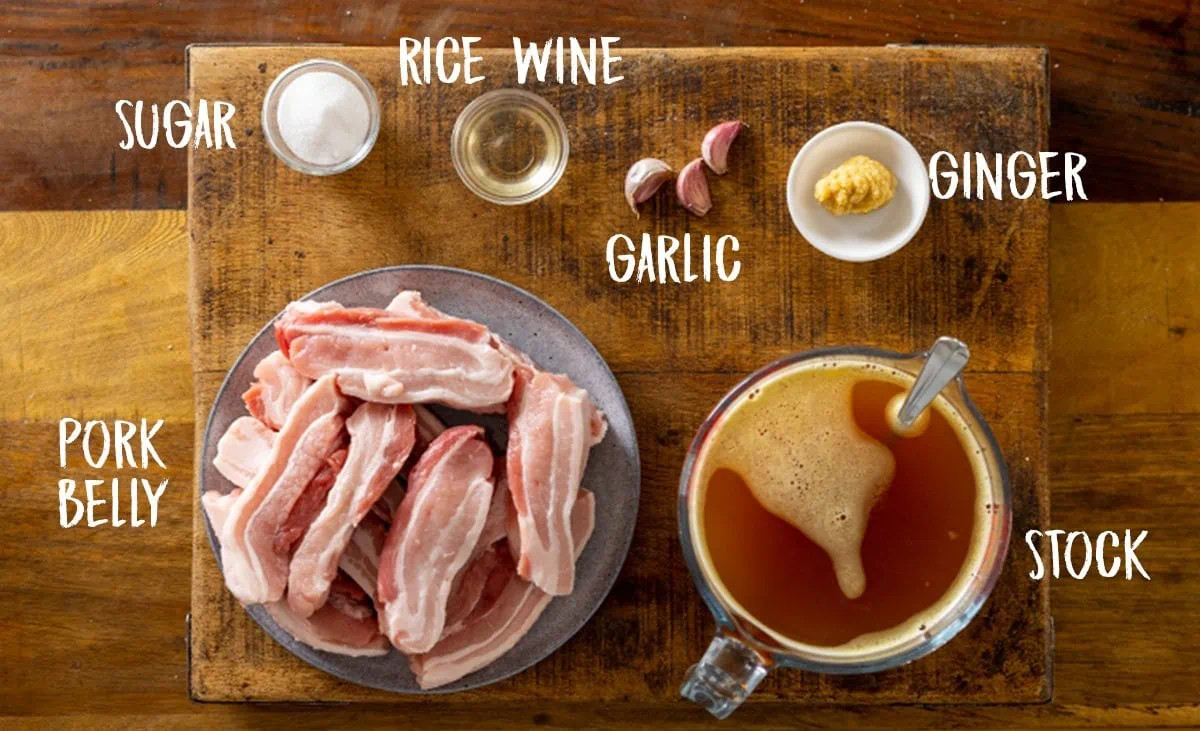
<point x="728" y="672"/>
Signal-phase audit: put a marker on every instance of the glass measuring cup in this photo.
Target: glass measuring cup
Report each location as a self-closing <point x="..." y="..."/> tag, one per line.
<point x="744" y="649"/>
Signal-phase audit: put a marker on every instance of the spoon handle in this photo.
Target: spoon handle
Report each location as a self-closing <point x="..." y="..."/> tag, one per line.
<point x="946" y="359"/>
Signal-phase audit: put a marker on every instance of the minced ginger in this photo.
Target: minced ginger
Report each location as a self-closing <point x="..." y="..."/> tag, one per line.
<point x="859" y="185"/>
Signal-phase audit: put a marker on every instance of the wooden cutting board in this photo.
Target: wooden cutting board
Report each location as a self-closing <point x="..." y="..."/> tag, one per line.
<point x="262" y="234"/>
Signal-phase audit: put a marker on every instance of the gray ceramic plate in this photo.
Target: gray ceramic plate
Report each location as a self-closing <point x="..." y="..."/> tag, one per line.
<point x="613" y="471"/>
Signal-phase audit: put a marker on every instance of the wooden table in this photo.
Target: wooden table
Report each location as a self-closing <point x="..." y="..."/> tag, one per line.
<point x="92" y="624"/>
<point x="262" y="235"/>
<point x="1124" y="75"/>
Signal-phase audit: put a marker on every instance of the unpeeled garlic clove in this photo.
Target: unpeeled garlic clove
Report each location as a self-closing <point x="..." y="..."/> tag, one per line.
<point x="643" y="180"/>
<point x="691" y="187"/>
<point x="715" y="148"/>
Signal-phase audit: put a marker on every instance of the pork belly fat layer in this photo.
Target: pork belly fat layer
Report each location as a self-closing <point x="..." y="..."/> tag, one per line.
<point x="276" y="389"/>
<point x="243" y="449"/>
<point x="385" y="357"/>
<point x="360" y="560"/>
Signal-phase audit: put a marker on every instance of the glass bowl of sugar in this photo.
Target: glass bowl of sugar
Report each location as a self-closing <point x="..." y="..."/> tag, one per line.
<point x="320" y="117"/>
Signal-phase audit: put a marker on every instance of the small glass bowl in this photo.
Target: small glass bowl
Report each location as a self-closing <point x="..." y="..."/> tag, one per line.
<point x="545" y="119"/>
<point x="270" y="116"/>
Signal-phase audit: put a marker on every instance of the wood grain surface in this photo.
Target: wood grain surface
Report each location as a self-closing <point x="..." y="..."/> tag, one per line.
<point x="1125" y="75"/>
<point x="92" y="622"/>
<point x="263" y="234"/>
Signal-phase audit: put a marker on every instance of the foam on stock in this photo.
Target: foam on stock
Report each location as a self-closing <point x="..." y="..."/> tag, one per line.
<point x="794" y="441"/>
<point x="797" y="446"/>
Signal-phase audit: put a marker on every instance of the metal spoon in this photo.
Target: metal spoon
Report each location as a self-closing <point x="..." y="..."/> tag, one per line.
<point x="945" y="361"/>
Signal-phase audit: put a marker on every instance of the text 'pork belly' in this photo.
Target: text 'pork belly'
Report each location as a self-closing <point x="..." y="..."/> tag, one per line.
<point x="386" y="357"/>
<point x="381" y="437"/>
<point x="433" y="535"/>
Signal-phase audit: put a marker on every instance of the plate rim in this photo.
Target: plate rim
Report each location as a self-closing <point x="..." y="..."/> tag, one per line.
<point x="262" y="618"/>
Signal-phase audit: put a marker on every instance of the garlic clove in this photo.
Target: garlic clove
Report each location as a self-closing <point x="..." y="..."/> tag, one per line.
<point x="691" y="187"/>
<point x="715" y="148"/>
<point x="643" y="180"/>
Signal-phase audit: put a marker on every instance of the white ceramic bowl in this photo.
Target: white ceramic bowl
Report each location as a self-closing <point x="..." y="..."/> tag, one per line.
<point x="859" y="237"/>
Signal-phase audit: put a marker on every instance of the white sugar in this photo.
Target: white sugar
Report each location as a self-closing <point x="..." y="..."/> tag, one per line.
<point x="323" y="118"/>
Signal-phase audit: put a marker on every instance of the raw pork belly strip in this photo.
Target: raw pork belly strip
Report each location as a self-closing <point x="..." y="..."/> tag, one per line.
<point x="495" y="527"/>
<point x="428" y="427"/>
<point x="409" y="303"/>
<point x="385" y="357"/>
<point x="308" y="506"/>
<point x="469" y="584"/>
<point x="381" y="437"/>
<point x="218" y="506"/>
<point x="552" y="425"/>
<point x="241" y="453"/>
<point x="332" y="629"/>
<point x="387" y="503"/>
<point x="343" y="626"/>
<point x="243" y="449"/>
<point x="434" y="534"/>
<point x="254" y="571"/>
<point x="276" y="390"/>
<point x="502" y="619"/>
<point x="360" y="560"/>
